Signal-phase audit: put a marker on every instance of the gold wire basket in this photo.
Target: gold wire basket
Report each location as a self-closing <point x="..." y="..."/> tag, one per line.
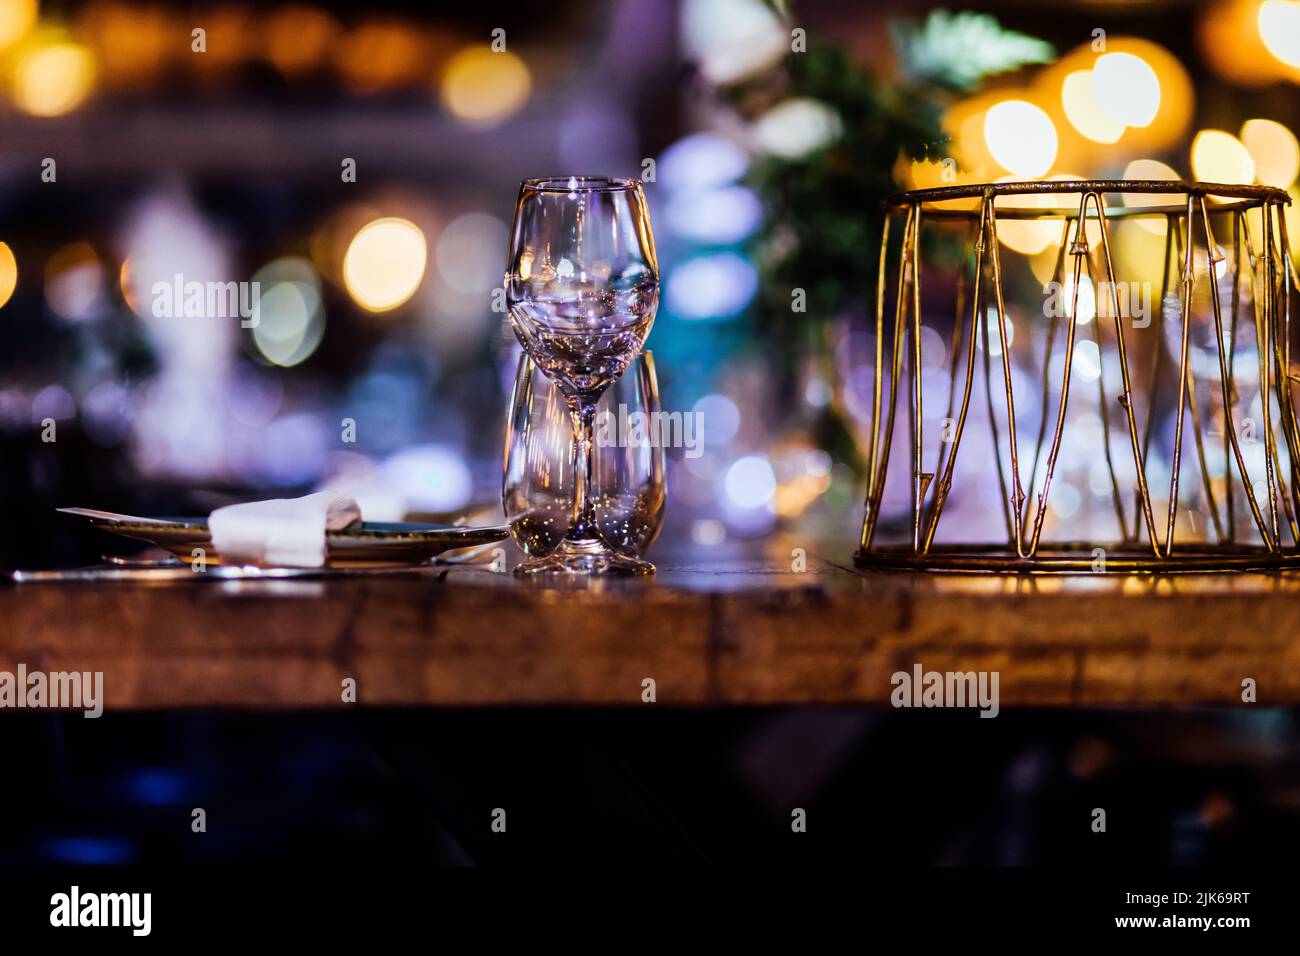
<point x="1250" y="497"/>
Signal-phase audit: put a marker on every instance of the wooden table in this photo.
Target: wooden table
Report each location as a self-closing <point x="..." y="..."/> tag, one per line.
<point x="727" y="632"/>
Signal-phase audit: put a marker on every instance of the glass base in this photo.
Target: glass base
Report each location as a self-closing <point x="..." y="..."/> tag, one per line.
<point x="585" y="558"/>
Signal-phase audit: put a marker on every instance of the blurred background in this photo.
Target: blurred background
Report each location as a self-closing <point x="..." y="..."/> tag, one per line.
<point x="361" y="161"/>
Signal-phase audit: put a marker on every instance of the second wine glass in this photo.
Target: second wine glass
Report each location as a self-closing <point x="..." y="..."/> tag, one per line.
<point x="627" y="491"/>
<point x="582" y="289"/>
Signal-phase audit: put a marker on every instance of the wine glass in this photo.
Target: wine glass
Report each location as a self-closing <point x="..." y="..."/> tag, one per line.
<point x="582" y="287"/>
<point x="627" y="488"/>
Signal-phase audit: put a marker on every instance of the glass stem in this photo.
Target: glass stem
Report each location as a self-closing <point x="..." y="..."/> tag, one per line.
<point x="583" y="525"/>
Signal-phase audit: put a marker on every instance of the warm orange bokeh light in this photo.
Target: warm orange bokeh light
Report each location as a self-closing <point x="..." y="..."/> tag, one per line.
<point x="1275" y="151"/>
<point x="381" y="54"/>
<point x="1229" y="38"/>
<point x="484" y="87"/>
<point x="299" y="39"/>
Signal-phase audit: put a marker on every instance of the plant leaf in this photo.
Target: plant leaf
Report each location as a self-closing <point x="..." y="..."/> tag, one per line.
<point x="958" y="50"/>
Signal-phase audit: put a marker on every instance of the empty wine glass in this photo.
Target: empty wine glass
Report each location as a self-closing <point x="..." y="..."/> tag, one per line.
<point x="627" y="478"/>
<point x="582" y="287"/>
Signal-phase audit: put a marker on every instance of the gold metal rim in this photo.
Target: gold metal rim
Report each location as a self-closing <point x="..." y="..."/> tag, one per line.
<point x="1079" y="559"/>
<point x="1254" y="195"/>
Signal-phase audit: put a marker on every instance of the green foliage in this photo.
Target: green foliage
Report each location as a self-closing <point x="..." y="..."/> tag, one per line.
<point x="824" y="209"/>
<point x="958" y="50"/>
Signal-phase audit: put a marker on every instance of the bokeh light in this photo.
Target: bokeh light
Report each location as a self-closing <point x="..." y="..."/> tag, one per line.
<point x="232" y="34"/>
<point x="8" y="273"/>
<point x="132" y="43"/>
<point x="1291" y="220"/>
<point x="483" y="87"/>
<point x="53" y="77"/>
<point x="750" y="482"/>
<point x="720" y="418"/>
<point x="1127" y="88"/>
<point x="1279" y="27"/>
<point x="711" y="286"/>
<point x="329" y="241"/>
<point x="1085" y="112"/>
<point x="1021" y="138"/>
<point x="53" y="401"/>
<point x="1087" y="357"/>
<point x="701" y="161"/>
<point x="796" y="127"/>
<point x="1219" y="157"/>
<point x="994" y="343"/>
<point x="1134" y="82"/>
<point x="1177" y="96"/>
<point x="1275" y="151"/>
<point x="1143" y="169"/>
<point x="290" y="321"/>
<point x="732" y="39"/>
<point x="299" y="38"/>
<point x="927" y="174"/>
<point x="963" y="122"/>
<point x="1139" y="247"/>
<point x="74" y="278"/>
<point x="1245" y="59"/>
<point x="1087" y="304"/>
<point x="17" y="17"/>
<point x="430" y="478"/>
<point x="1027" y="236"/>
<point x="379" y="54"/>
<point x="385" y="263"/>
<point x="718" y="216"/>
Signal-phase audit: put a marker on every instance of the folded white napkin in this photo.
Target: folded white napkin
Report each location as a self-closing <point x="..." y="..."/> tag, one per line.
<point x="283" y="532"/>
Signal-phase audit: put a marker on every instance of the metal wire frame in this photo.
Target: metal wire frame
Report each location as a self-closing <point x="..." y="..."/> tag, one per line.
<point x="1143" y="546"/>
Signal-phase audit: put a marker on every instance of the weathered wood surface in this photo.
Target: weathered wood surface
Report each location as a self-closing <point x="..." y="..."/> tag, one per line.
<point x="708" y="634"/>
